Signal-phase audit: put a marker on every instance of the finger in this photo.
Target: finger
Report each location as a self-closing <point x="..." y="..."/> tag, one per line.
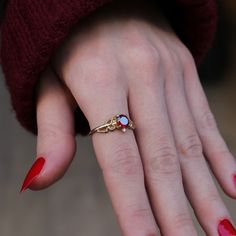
<point x="159" y="156"/>
<point x="217" y="153"/>
<point x="117" y="152"/>
<point x="198" y="182"/>
<point x="56" y="139"/>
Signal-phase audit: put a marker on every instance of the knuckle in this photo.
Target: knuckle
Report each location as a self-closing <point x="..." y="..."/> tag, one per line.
<point x="47" y="130"/>
<point x="144" y="56"/>
<point x="163" y="162"/>
<point x="173" y="66"/>
<point x="137" y="211"/>
<point x="125" y="162"/>
<point x="223" y="152"/>
<point x="207" y="121"/>
<point x="213" y="198"/>
<point x="187" y="57"/>
<point x="172" y="60"/>
<point x="182" y="220"/>
<point x="191" y="146"/>
<point x="150" y="57"/>
<point x="50" y="134"/>
<point x="208" y="202"/>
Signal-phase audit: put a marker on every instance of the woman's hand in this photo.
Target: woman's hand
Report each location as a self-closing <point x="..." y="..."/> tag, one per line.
<point x="130" y="65"/>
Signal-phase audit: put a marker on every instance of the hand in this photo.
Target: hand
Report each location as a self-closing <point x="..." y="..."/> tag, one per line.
<point x="132" y="66"/>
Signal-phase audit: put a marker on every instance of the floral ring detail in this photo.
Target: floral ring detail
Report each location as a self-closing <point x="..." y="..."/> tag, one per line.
<point x="120" y="122"/>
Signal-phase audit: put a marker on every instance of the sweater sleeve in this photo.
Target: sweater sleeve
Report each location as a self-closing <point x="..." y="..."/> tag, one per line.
<point x="33" y="29"/>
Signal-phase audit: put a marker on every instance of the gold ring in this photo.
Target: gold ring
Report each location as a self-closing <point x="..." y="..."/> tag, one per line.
<point x="120" y="122"/>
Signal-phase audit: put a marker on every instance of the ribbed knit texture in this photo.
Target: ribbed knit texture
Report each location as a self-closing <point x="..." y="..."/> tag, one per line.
<point x="33" y="29"/>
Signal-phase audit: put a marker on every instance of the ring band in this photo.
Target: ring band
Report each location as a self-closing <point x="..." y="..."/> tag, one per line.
<point x="120" y="122"/>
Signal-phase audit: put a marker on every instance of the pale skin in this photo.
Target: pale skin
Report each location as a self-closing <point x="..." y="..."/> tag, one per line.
<point x="131" y="65"/>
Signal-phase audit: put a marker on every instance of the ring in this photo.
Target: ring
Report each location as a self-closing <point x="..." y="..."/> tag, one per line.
<point x="120" y="122"/>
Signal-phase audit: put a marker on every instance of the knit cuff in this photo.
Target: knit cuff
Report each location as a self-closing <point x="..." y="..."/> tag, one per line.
<point x="33" y="29"/>
<point x="31" y="32"/>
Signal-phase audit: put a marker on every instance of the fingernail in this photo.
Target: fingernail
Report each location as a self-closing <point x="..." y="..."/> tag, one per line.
<point x="33" y="173"/>
<point x="234" y="180"/>
<point x="225" y="228"/>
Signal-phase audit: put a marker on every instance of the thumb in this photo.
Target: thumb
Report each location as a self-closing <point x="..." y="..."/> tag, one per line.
<point x="56" y="143"/>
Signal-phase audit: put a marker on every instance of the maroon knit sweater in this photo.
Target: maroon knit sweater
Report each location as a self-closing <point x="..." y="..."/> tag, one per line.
<point x="32" y="30"/>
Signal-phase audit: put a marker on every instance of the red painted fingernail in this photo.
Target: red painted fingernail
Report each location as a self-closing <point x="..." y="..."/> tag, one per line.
<point x="235" y="180"/>
<point x="33" y="173"/>
<point x="225" y="228"/>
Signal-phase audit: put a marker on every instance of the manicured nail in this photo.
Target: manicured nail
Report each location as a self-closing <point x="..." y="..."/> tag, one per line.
<point x="225" y="228"/>
<point x="33" y="173"/>
<point x="234" y="180"/>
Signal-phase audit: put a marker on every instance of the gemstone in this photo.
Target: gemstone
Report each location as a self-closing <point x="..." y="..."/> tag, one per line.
<point x="123" y="121"/>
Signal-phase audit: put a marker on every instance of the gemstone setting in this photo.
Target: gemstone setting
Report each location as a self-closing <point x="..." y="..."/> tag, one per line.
<point x="123" y="122"/>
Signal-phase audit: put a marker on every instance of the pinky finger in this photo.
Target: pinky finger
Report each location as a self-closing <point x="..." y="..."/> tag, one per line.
<point x="215" y="149"/>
